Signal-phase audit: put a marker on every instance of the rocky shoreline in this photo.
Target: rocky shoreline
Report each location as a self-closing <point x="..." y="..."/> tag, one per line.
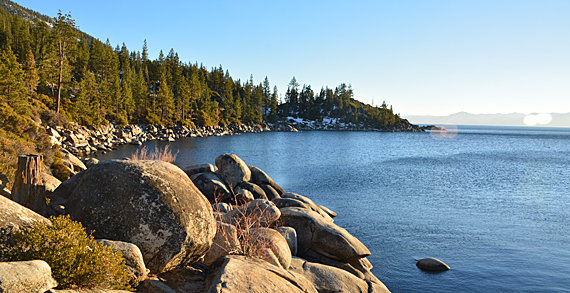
<point x="83" y="140"/>
<point x="226" y="227"/>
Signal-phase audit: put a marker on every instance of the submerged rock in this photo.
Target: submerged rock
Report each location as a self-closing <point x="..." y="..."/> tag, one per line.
<point x="432" y="264"/>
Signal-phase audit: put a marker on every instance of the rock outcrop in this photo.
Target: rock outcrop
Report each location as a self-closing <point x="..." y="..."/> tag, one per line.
<point x="151" y="204"/>
<point x="193" y="242"/>
<point x="243" y="274"/>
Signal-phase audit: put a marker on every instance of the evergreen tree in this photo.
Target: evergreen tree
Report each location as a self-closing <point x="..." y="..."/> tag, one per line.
<point x="11" y="84"/>
<point x="31" y="77"/>
<point x="64" y="38"/>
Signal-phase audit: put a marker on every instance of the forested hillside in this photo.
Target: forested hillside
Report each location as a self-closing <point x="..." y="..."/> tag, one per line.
<point x="50" y="73"/>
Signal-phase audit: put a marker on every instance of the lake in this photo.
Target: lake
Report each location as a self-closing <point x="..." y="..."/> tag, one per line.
<point x="491" y="202"/>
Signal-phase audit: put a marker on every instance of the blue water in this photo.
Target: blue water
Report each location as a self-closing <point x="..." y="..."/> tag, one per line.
<point x="491" y="202"/>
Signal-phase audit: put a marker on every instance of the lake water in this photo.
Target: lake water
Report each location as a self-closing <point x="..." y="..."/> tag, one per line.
<point x="491" y="202"/>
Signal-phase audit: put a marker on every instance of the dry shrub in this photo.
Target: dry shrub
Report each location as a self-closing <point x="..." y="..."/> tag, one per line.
<point x="251" y="240"/>
<point x="157" y="155"/>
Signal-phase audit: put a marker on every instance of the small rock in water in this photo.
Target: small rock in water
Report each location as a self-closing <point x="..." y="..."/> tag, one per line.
<point x="432" y="264"/>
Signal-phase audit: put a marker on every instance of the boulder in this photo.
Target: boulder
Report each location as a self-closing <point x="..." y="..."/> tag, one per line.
<point x="328" y="279"/>
<point x="309" y="202"/>
<point x="26" y="276"/>
<point x="234" y="273"/>
<point x="241" y="196"/>
<point x="72" y="162"/>
<point x="324" y="237"/>
<point x="225" y="241"/>
<point x="270" y="192"/>
<point x="282" y="202"/>
<point x="90" y="162"/>
<point x="432" y="264"/>
<point x="259" y="177"/>
<point x="50" y="182"/>
<point x="259" y="212"/>
<point x="274" y="241"/>
<point x="330" y="212"/>
<point x="133" y="258"/>
<point x="255" y="190"/>
<point x="303" y="199"/>
<point x="212" y="186"/>
<point x="187" y="279"/>
<point x="312" y="256"/>
<point x="65" y="189"/>
<point x="152" y="204"/>
<point x="222" y="207"/>
<point x="14" y="216"/>
<point x="202" y="168"/>
<point x="290" y="236"/>
<point x="232" y="169"/>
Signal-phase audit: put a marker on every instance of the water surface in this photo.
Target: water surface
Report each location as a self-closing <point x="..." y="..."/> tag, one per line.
<point x="492" y="202"/>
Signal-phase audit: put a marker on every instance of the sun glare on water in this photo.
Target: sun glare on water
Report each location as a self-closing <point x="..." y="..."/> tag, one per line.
<point x="537" y="119"/>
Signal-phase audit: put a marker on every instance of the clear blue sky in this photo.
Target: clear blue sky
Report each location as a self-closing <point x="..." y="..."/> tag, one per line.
<point x="422" y="57"/>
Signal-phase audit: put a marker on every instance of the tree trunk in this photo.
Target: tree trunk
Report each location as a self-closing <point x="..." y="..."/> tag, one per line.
<point x="28" y="189"/>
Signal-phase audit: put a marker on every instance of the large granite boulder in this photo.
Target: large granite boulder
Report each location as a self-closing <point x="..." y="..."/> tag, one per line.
<point x="316" y="233"/>
<point x="232" y="169"/>
<point x="235" y="273"/>
<point x="212" y="186"/>
<point x="14" y="217"/>
<point x="152" y="204"/>
<point x="26" y="276"/>
<point x="259" y="177"/>
<point x="65" y="188"/>
<point x="328" y="279"/>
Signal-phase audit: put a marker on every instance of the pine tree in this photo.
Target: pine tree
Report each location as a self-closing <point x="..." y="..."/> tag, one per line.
<point x="64" y="38"/>
<point x="31" y="77"/>
<point x="11" y="84"/>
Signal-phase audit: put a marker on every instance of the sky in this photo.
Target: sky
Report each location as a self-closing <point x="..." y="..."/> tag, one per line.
<point x="422" y="57"/>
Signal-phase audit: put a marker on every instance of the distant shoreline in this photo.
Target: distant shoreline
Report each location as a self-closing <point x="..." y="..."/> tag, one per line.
<point x="514" y="119"/>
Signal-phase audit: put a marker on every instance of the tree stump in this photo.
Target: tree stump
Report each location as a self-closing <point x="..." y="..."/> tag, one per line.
<point x="28" y="189"/>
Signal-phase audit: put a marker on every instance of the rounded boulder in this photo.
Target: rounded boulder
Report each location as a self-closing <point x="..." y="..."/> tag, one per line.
<point x="432" y="264"/>
<point x="152" y="204"/>
<point x="232" y="169"/>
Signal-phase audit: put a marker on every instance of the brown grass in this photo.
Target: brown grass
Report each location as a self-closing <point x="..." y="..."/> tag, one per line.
<point x="165" y="155"/>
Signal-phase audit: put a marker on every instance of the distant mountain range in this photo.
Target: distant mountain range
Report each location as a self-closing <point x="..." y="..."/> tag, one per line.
<point x="513" y="119"/>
